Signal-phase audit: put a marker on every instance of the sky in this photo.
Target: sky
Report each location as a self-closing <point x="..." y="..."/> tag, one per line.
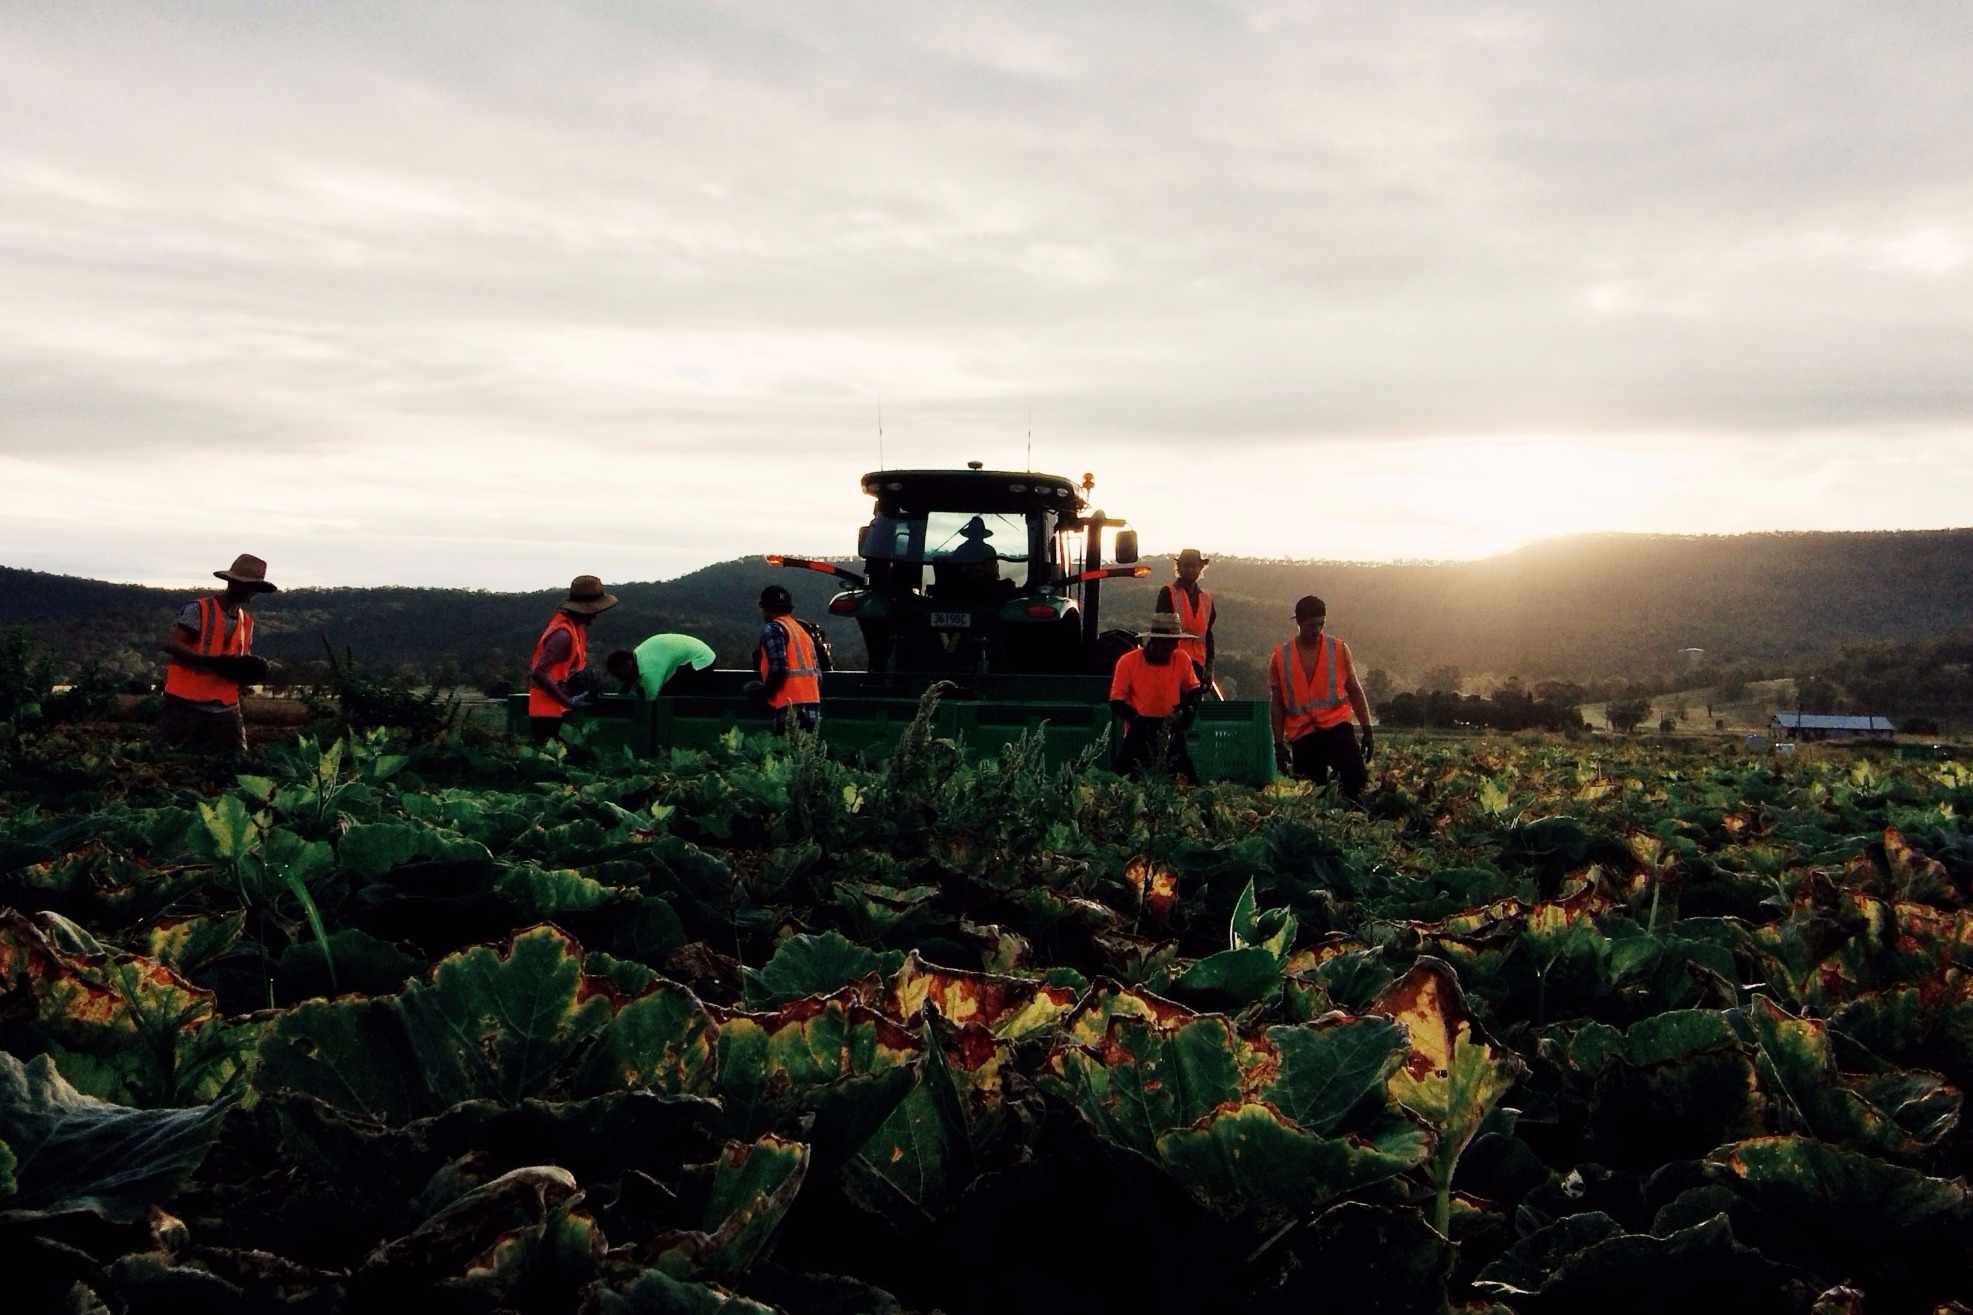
<point x="491" y="294"/>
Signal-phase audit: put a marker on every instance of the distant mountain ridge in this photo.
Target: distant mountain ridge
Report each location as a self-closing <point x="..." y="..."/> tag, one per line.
<point x="1581" y="607"/>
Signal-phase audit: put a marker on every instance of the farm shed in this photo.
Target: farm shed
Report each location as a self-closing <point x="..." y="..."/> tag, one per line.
<point x="1821" y="726"/>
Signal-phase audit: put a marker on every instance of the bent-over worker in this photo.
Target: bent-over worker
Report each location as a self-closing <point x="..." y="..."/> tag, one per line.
<point x="1155" y="691"/>
<point x="1193" y="606"/>
<point x="666" y="661"/>
<point x="790" y="670"/>
<point x="1312" y="689"/>
<point x="208" y="647"/>
<point x="561" y="652"/>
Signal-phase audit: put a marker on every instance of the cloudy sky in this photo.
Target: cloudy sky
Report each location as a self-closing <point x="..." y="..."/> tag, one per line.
<point x="489" y="294"/>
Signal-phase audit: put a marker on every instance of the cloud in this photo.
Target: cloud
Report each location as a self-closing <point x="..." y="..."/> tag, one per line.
<point x="707" y="244"/>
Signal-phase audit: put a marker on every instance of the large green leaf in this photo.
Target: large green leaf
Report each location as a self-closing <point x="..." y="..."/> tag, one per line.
<point x="1230" y="978"/>
<point x="753" y="1186"/>
<point x="1454" y="1073"/>
<point x="1798" y="1064"/>
<point x="74" y="1152"/>
<point x="662" y="1040"/>
<point x="371" y="849"/>
<point x="1329" y="1068"/>
<point x="1249" y="1156"/>
<point x="813" y="965"/>
<point x="231" y="828"/>
<point x="123" y="1027"/>
<point x="502" y="1026"/>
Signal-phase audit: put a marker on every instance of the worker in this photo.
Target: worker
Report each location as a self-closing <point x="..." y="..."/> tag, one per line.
<point x="560" y="654"/>
<point x="210" y="649"/>
<point x="1154" y="691"/>
<point x="789" y="665"/>
<point x="660" y="663"/>
<point x="1312" y="689"/>
<point x="1193" y="607"/>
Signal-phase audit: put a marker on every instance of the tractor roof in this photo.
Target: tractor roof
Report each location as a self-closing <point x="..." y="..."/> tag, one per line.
<point x="918" y="491"/>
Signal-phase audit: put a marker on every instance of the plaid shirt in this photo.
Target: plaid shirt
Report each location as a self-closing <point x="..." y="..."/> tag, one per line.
<point x="774" y="643"/>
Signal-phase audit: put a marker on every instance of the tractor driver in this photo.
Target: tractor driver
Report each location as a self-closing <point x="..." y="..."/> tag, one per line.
<point x="971" y="570"/>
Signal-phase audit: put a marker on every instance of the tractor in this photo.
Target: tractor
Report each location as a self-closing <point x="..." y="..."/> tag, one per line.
<point x="989" y="583"/>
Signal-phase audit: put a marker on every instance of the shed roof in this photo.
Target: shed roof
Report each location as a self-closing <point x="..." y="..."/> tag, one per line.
<point x="1815" y="721"/>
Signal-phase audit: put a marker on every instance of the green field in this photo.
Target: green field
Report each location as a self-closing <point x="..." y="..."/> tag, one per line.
<point x="1546" y="1027"/>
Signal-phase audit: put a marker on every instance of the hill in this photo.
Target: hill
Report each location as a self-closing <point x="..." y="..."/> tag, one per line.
<point x="1586" y="608"/>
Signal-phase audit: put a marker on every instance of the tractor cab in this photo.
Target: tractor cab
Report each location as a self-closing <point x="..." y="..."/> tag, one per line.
<point x="976" y="571"/>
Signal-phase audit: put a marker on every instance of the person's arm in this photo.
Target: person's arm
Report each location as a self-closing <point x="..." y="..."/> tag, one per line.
<point x="1212" y="619"/>
<point x="177" y="646"/>
<point x="556" y="650"/>
<point x="1191" y="691"/>
<point x="1277" y="706"/>
<point x="1120" y="691"/>
<point x="1359" y="703"/>
<point x="774" y="643"/>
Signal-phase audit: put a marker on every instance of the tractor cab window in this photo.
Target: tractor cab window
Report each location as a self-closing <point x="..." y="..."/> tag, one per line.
<point x="976" y="544"/>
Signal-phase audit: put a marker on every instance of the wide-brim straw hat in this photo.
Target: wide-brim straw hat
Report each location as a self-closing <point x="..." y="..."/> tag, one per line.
<point x="1163" y="625"/>
<point x="1189" y="556"/>
<point x="586" y="595"/>
<point x="250" y="571"/>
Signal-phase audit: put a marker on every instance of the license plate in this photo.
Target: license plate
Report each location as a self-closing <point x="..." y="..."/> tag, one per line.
<point x="952" y="620"/>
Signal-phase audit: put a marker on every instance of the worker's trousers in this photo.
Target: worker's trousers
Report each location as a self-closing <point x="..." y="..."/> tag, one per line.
<point x="1331" y="748"/>
<point x="1139" y="749"/>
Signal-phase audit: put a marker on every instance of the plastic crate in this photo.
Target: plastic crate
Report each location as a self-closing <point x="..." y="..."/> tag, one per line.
<point x="1233" y="741"/>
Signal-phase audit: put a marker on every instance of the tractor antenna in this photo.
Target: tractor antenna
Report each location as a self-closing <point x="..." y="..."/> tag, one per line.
<point x="880" y="438"/>
<point x="1030" y="440"/>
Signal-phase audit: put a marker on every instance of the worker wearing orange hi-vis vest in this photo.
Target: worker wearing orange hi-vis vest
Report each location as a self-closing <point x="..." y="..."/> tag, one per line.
<point x="1193" y="607"/>
<point x="210" y="648"/>
<point x="1312" y="690"/>
<point x="1154" y="692"/>
<point x="790" y="663"/>
<point x="561" y="653"/>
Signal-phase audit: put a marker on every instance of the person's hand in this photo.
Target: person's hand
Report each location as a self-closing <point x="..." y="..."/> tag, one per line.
<point x="1284" y="758"/>
<point x="1369" y="744"/>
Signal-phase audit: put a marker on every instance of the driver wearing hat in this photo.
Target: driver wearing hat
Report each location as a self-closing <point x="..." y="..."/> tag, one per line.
<point x="560" y="653"/>
<point x="210" y="651"/>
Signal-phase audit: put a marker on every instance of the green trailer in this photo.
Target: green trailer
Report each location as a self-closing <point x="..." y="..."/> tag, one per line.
<point x="1230" y="741"/>
<point x="992" y="581"/>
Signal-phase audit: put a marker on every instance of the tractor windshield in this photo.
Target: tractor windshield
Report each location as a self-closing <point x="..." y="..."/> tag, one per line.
<point x="939" y="535"/>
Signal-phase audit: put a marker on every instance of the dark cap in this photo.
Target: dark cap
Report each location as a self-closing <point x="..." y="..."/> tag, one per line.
<point x="1308" y="605"/>
<point x="776" y="598"/>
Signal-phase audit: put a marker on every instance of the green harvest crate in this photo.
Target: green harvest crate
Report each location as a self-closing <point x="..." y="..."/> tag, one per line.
<point x="1234" y="741"/>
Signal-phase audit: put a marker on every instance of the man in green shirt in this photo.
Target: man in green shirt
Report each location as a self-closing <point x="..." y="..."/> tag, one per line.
<point x="657" y="661"/>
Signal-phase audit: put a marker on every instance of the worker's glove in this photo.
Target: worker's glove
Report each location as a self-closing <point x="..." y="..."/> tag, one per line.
<point x="581" y="701"/>
<point x="756" y="692"/>
<point x="1369" y="744"/>
<point x="1284" y="758"/>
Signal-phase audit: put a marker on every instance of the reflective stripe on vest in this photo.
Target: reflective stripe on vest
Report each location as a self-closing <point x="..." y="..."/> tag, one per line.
<point x="804" y="682"/>
<point x="1302" y="705"/>
<point x="540" y="702"/>
<point x="1195" y="621"/>
<point x="215" y="639"/>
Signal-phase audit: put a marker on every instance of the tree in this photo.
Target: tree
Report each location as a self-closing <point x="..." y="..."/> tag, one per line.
<point x="1378" y="684"/>
<point x="1444" y="679"/>
<point x="1625" y="714"/>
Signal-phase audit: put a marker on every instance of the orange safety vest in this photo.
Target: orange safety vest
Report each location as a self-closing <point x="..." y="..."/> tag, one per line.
<point x="215" y="640"/>
<point x="1193" y="620"/>
<point x="1152" y="690"/>
<point x="804" y="682"/>
<point x="540" y="702"/>
<point x="1317" y="700"/>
